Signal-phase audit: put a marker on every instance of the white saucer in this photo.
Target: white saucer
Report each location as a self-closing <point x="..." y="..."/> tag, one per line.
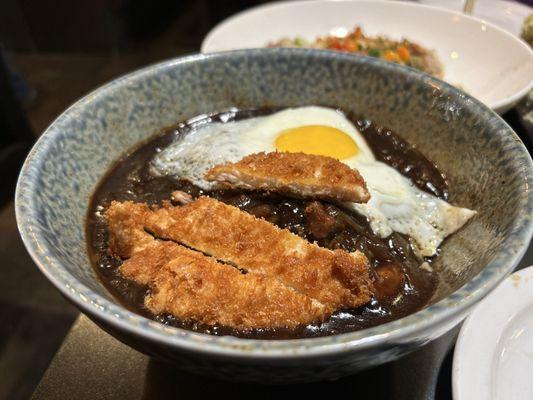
<point x="493" y="357"/>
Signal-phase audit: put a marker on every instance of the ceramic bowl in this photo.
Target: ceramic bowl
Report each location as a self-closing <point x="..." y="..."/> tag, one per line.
<point x="482" y="59"/>
<point x="487" y="166"/>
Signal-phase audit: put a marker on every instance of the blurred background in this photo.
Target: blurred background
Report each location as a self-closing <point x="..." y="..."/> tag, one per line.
<point x="52" y="53"/>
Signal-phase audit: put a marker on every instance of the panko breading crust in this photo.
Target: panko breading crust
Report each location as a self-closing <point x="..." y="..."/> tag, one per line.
<point x="194" y="287"/>
<point x="285" y="272"/>
<point x="125" y="223"/>
<point x="336" y="279"/>
<point x="297" y="174"/>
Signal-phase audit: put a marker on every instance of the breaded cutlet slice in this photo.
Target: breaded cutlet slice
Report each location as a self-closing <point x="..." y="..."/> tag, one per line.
<point x="337" y="279"/>
<point x="125" y="223"/>
<point x="195" y="287"/>
<point x="296" y="174"/>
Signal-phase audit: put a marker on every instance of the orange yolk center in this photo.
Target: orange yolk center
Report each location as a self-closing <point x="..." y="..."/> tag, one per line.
<point x="317" y="139"/>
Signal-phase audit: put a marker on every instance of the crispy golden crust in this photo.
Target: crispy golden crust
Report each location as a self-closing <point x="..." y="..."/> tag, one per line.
<point x="337" y="279"/>
<point x="126" y="230"/>
<point x="329" y="279"/>
<point x="144" y="265"/>
<point x="297" y="174"/>
<point x="195" y="287"/>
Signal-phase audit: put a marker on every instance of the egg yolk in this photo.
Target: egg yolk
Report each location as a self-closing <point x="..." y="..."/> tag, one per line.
<point x="317" y="139"/>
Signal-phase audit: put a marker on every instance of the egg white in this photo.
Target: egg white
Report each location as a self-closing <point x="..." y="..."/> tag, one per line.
<point x="192" y="156"/>
<point x="397" y="205"/>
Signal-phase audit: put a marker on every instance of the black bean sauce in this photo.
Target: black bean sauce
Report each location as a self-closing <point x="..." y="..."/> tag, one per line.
<point x="396" y="152"/>
<point x="402" y="287"/>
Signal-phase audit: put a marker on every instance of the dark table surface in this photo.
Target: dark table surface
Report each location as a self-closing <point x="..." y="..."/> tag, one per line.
<point x="93" y="365"/>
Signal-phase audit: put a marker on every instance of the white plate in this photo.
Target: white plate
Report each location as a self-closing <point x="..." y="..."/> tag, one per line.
<point x="486" y="61"/>
<point x="493" y="357"/>
<point x="508" y="15"/>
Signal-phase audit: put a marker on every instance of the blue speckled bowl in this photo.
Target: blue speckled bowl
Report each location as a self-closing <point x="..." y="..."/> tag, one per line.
<point x="488" y="169"/>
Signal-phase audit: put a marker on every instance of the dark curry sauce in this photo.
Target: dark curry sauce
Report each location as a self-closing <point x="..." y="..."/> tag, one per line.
<point x="402" y="286"/>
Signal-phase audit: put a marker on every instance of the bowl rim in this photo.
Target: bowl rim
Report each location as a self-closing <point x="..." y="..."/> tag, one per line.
<point x="104" y="309"/>
<point x="499" y="105"/>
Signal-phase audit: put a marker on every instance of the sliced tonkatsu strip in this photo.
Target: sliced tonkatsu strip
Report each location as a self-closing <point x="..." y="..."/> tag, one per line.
<point x="337" y="279"/>
<point x="195" y="287"/>
<point x="296" y="174"/>
<point x="125" y="223"/>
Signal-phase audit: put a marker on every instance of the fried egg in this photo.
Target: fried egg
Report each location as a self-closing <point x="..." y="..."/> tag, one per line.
<point x="396" y="204"/>
<point x="311" y="130"/>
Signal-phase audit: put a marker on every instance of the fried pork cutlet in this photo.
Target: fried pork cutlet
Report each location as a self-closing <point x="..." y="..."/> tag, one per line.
<point x="296" y="174"/>
<point x="195" y="287"/>
<point x="337" y="279"/>
<point x="125" y="222"/>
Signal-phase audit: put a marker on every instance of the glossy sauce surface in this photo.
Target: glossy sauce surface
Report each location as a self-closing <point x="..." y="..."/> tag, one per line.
<point x="402" y="286"/>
